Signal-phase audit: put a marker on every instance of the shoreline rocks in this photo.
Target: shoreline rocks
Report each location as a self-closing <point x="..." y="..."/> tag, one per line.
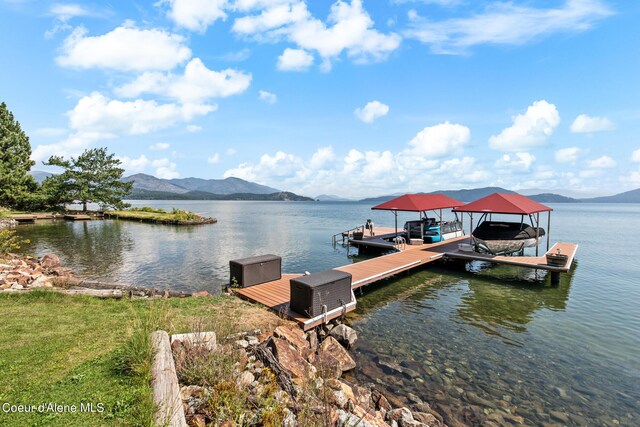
<point x="307" y="369"/>
<point x="20" y="273"/>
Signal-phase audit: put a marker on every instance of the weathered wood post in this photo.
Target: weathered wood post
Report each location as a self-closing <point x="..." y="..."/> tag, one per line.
<point x="555" y="278"/>
<point x="164" y="382"/>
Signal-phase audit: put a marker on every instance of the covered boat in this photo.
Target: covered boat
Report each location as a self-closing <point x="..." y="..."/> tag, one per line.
<point x="506" y="237"/>
<point x="427" y="230"/>
<point x="503" y="237"/>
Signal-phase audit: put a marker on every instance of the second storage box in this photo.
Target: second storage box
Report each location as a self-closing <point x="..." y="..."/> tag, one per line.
<point x="330" y="288"/>
<point x="255" y="270"/>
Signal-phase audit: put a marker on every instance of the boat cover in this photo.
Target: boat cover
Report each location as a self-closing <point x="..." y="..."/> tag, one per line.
<point x="502" y="230"/>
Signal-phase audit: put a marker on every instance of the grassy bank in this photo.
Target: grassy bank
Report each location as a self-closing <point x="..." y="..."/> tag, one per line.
<point x="155" y="215"/>
<point x="80" y="350"/>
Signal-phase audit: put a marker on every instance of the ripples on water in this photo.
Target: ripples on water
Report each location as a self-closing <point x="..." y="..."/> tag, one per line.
<point x="492" y="343"/>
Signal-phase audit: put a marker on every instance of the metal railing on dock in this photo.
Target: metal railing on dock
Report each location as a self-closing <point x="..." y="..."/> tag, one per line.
<point x="346" y="235"/>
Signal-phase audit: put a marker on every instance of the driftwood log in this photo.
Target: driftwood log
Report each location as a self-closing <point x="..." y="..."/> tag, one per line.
<point x="164" y="382"/>
<point x="126" y="289"/>
<point x="98" y="293"/>
<point x="283" y="376"/>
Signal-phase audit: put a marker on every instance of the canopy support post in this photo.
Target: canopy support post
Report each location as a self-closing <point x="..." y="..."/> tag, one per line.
<point x="396" y="215"/>
<point x="548" y="228"/>
<point x="537" y="230"/>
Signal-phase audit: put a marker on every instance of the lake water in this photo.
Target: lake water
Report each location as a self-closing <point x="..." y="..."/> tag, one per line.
<point x="488" y="344"/>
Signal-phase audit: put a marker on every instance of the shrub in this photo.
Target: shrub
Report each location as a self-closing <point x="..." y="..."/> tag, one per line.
<point x="181" y="215"/>
<point x="10" y="242"/>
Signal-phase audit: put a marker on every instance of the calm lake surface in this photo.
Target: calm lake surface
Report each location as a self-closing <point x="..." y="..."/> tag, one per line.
<point x="487" y="343"/>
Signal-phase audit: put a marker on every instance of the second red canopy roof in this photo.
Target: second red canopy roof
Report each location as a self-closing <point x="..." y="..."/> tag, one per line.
<point x="505" y="204"/>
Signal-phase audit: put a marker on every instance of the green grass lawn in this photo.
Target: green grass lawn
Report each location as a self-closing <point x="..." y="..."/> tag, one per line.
<point x="80" y="350"/>
<point x="153" y="214"/>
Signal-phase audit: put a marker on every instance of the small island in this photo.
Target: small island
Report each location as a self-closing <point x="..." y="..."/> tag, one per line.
<point x="160" y="216"/>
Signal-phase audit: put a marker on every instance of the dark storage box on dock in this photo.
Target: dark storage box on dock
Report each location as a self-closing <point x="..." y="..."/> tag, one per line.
<point x="330" y="288"/>
<point x="255" y="270"/>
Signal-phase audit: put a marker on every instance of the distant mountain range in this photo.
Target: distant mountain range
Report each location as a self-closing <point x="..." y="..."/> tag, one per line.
<point x="148" y="187"/>
<point x="469" y="195"/>
<point x="331" y="198"/>
<point x="40" y="176"/>
<point x="140" y="194"/>
<point x="143" y="181"/>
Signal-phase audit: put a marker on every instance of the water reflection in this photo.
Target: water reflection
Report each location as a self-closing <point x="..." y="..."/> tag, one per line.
<point x="509" y="297"/>
<point x="476" y="348"/>
<point x="92" y="247"/>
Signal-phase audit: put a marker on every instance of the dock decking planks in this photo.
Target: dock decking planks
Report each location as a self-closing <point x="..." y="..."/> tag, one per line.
<point x="276" y="294"/>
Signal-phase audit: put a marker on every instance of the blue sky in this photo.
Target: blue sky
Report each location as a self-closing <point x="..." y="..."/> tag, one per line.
<point x="354" y="98"/>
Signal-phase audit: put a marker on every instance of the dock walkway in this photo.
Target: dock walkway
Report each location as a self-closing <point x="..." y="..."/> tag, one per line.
<point x="276" y="294"/>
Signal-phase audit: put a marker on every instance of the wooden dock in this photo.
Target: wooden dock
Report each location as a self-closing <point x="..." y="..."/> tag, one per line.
<point x="276" y="294"/>
<point x="23" y="218"/>
<point x="77" y="217"/>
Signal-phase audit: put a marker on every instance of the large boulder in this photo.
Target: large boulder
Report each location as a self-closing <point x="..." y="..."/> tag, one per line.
<point x="50" y="261"/>
<point x="295" y="337"/>
<point x="345" y="335"/>
<point x="403" y="417"/>
<point x="333" y="358"/>
<point x="358" y="417"/>
<point x="292" y="361"/>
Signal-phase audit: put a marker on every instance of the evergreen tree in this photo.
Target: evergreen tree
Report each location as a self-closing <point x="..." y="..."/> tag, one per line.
<point x="16" y="185"/>
<point x="93" y="177"/>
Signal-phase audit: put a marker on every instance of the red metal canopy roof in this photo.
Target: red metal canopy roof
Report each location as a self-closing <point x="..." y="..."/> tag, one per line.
<point x="504" y="204"/>
<point x="419" y="203"/>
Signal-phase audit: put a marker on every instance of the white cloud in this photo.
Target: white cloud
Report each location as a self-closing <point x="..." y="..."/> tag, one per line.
<point x="635" y="156"/>
<point x="349" y="28"/>
<point x="439" y="140"/>
<point x="632" y="179"/>
<point x="215" y="158"/>
<point x="567" y="155"/>
<point x="193" y="128"/>
<point x="322" y="158"/>
<point x="515" y="163"/>
<point x="272" y="16"/>
<point x="529" y="130"/>
<point x="587" y="124"/>
<point x="604" y="162"/>
<point x="294" y="60"/>
<point x="279" y="166"/>
<point x="231" y="151"/>
<point x="165" y="168"/>
<point x="132" y="166"/>
<point x="96" y="117"/>
<point x="268" y="97"/>
<point x="72" y="145"/>
<point x="197" y="84"/>
<point x="97" y="113"/>
<point x="372" y="111"/>
<point x="506" y="23"/>
<point x="196" y="15"/>
<point x="126" y="48"/>
<point x="589" y="173"/>
<point x="64" y="12"/>
<point x="160" y="146"/>
<point x="375" y="172"/>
